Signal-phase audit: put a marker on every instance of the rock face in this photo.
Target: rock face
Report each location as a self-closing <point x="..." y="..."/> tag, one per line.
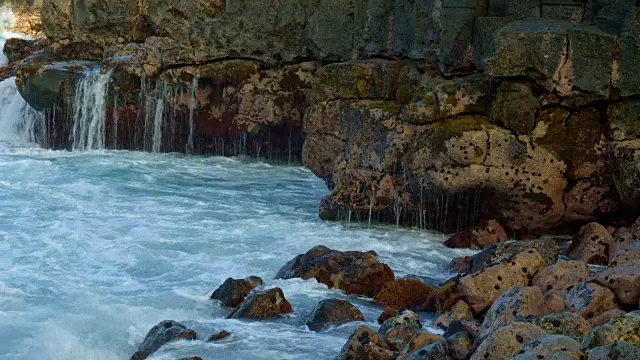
<point x="263" y="305"/>
<point x="233" y="292"/>
<point x="159" y="335"/>
<point x="354" y="272"/>
<point x="434" y="114"/>
<point x="332" y="312"/>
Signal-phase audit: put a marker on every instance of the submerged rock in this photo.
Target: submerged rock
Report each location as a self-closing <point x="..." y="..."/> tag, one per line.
<point x="332" y="312"/>
<point x="262" y="305"/>
<point x="165" y="332"/>
<point x="354" y="272"/>
<point x="407" y="293"/>
<point x="233" y="292"/>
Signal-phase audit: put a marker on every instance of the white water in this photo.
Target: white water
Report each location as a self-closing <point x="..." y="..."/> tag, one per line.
<point x="96" y="247"/>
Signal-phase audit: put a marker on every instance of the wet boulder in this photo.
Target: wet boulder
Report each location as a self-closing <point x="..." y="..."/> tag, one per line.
<point x="624" y="281"/>
<point x="436" y="351"/>
<point x="622" y="328"/>
<point x="263" y="305"/>
<point x="619" y="350"/>
<point x="588" y="299"/>
<point x="488" y="233"/>
<point x="547" y="248"/>
<point x="551" y="347"/>
<point x="561" y="276"/>
<point x="409" y="293"/>
<point x="366" y="344"/>
<point x="219" y="336"/>
<point x="481" y="289"/>
<point x="460" y="311"/>
<point x="506" y="341"/>
<point x="355" y="272"/>
<point x="418" y="342"/>
<point x="332" y="312"/>
<point x="566" y="323"/>
<point x="592" y="244"/>
<point x="233" y="291"/>
<point x="516" y="303"/>
<point x="161" y="334"/>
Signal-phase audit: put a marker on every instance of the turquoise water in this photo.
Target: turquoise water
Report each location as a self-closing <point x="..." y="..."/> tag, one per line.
<point x="97" y="247"/>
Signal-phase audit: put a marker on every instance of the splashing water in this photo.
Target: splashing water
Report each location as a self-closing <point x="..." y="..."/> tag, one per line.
<point x="89" y="111"/>
<point x="19" y="122"/>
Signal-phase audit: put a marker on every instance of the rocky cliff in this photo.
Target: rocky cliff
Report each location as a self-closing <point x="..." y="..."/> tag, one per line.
<point x="431" y="113"/>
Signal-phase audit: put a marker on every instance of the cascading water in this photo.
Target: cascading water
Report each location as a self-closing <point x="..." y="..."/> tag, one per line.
<point x="90" y="112"/>
<point x="192" y="106"/>
<point x="19" y="122"/>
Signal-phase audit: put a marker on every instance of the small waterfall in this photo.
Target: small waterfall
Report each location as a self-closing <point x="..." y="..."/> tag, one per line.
<point x="157" y="118"/>
<point x="192" y="106"/>
<point x="19" y="122"/>
<point x="90" y="112"/>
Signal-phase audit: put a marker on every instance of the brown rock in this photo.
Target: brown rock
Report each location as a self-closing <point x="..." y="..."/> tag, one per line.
<point x="419" y="341"/>
<point x="561" y="276"/>
<point x="481" y="289"/>
<point x="442" y="298"/>
<point x="404" y="318"/>
<point x="233" y="292"/>
<point x="219" y="336"/>
<point x="548" y="249"/>
<point x="622" y="328"/>
<point x="262" y="305"/>
<point x="566" y="323"/>
<point x="592" y="244"/>
<point x="624" y="281"/>
<point x="366" y="344"/>
<point x="515" y="107"/>
<point x="332" y="312"/>
<point x="488" y="233"/>
<point x="460" y="265"/>
<point x="604" y="317"/>
<point x="398" y="294"/>
<point x="354" y="272"/>
<point x="161" y="334"/>
<point x="515" y="304"/>
<point x="506" y="341"/>
<point x="553" y="302"/>
<point x="588" y="299"/>
<point x="460" y="311"/>
<point x="387" y="314"/>
<point x="398" y="336"/>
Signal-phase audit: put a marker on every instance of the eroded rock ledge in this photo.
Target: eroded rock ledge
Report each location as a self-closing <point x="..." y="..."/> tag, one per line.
<point x="432" y="113"/>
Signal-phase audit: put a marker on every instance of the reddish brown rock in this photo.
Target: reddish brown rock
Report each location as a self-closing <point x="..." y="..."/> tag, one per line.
<point x="399" y="336"/>
<point x="515" y="304"/>
<point x="366" y="344"/>
<point x="407" y="293"/>
<point x="553" y="302"/>
<point x="592" y="244"/>
<point x="387" y="314"/>
<point x="460" y="311"/>
<point x="561" y="276"/>
<point x="219" y="336"/>
<point x="354" y="272"/>
<point x="332" y="312"/>
<point x="233" y="292"/>
<point x="442" y="298"/>
<point x="588" y="299"/>
<point x="263" y="305"/>
<point x="481" y="289"/>
<point x="488" y="233"/>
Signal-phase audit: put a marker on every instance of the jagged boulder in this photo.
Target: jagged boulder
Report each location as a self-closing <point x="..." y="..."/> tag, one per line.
<point x="263" y="305"/>
<point x="481" y="289"/>
<point x="592" y="244"/>
<point x="233" y="291"/>
<point x="488" y="233"/>
<point x="515" y="304"/>
<point x="165" y="332"/>
<point x="460" y="345"/>
<point x="406" y="293"/>
<point x="366" y="344"/>
<point x="561" y="276"/>
<point x="332" y="312"/>
<point x="354" y="272"/>
<point x="589" y="299"/>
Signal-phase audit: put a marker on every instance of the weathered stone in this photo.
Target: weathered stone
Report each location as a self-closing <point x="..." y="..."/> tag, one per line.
<point x="233" y="292"/>
<point x="514" y="8"/>
<point x="442" y="298"/>
<point x="591" y="54"/>
<point x="219" y="336"/>
<point x="366" y="344"/>
<point x="624" y="119"/>
<point x="354" y="272"/>
<point x="515" y="304"/>
<point x="263" y="305"/>
<point x="436" y="351"/>
<point x="398" y="336"/>
<point x="588" y="299"/>
<point x="605" y="317"/>
<point x="619" y="350"/>
<point x="460" y="311"/>
<point x="464" y="95"/>
<point x="481" y="289"/>
<point x="387" y="314"/>
<point x="623" y="328"/>
<point x="407" y="293"/>
<point x="419" y="341"/>
<point x="548" y="249"/>
<point x="470" y="327"/>
<point x="551" y="347"/>
<point x="625" y="78"/>
<point x="561" y="276"/>
<point x="553" y="302"/>
<point x="484" y="45"/>
<point x="625" y="170"/>
<point x="406" y="318"/>
<point x="460" y="345"/>
<point x="165" y="332"/>
<point x="623" y="280"/>
<point x="332" y="312"/>
<point x="506" y="341"/>
<point x="488" y="233"/>
<point x="460" y="265"/>
<point x="515" y="107"/>
<point x="456" y="36"/>
<point x="567" y="324"/>
<point x="592" y="244"/>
